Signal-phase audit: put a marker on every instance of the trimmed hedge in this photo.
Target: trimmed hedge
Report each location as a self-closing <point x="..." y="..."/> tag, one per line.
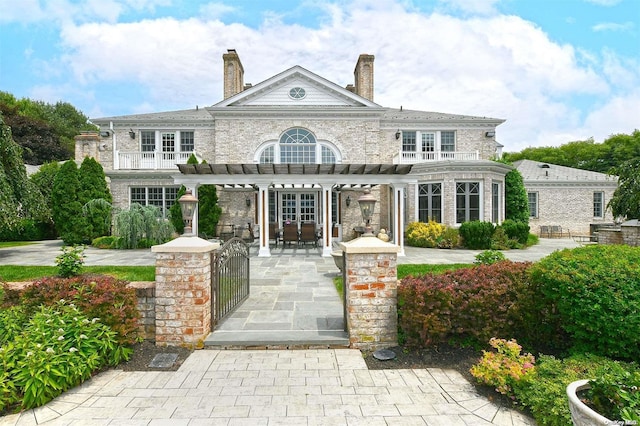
<point x="468" y="305"/>
<point x="591" y="294"/>
<point x="476" y="235"/>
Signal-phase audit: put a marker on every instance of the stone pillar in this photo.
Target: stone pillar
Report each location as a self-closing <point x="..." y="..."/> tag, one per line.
<point x="371" y="287"/>
<point x="233" y="73"/>
<point x="363" y="75"/>
<point x="183" y="291"/>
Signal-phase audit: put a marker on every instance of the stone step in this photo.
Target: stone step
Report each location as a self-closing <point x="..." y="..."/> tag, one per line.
<point x="277" y="339"/>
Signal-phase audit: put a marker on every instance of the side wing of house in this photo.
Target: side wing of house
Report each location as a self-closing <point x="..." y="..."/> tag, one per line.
<point x="570" y="198"/>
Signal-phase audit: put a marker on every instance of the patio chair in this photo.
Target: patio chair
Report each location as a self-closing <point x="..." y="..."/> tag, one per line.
<point x="308" y="233"/>
<point x="274" y="232"/>
<point x="545" y="231"/>
<point x="290" y="233"/>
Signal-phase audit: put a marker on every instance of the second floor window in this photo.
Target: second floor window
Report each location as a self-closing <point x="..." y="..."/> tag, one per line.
<point x="428" y="141"/>
<point x="297" y="146"/>
<point x="408" y="141"/>
<point x="447" y="141"/>
<point x="167" y="141"/>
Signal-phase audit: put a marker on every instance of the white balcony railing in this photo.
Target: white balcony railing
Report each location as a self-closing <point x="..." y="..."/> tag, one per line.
<point x="152" y="160"/>
<point x="425" y="157"/>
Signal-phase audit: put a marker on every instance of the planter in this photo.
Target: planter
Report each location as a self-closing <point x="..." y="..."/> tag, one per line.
<point x="581" y="414"/>
<point x="337" y="259"/>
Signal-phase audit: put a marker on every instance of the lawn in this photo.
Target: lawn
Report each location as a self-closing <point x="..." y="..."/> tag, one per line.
<point x="10" y="273"/>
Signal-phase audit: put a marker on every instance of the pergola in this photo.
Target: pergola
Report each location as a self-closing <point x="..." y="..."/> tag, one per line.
<point x="324" y="177"/>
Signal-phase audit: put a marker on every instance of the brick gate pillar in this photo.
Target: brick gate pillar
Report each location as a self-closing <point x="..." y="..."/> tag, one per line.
<point x="371" y="288"/>
<point x="183" y="291"/>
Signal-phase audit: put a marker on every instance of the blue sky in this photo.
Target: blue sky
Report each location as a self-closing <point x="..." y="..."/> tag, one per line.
<point x="556" y="70"/>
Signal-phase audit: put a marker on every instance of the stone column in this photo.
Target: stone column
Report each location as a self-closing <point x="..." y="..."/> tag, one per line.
<point x="398" y="216"/>
<point x="183" y="291"/>
<point x="263" y="220"/>
<point x="371" y="287"/>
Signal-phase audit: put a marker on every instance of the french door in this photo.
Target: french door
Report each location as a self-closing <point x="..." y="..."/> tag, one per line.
<point x="299" y="207"/>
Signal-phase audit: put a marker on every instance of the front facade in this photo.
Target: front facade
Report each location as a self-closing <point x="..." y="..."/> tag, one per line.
<point x="299" y="148"/>
<point x="573" y="199"/>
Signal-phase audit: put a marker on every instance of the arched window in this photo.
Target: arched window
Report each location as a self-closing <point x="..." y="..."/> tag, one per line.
<point x="297" y="146"/>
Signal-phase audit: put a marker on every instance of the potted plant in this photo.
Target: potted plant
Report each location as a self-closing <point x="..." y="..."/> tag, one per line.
<point x="613" y="395"/>
<point x="581" y="414"/>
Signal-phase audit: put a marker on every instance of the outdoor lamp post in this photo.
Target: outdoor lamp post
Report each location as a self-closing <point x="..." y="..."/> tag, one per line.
<point x="367" y="204"/>
<point x="188" y="205"/>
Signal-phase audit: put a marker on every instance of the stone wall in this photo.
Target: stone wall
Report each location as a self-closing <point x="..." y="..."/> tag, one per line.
<point x="146" y="295"/>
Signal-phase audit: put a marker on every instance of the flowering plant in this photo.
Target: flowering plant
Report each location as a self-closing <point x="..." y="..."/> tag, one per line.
<point x="504" y="367"/>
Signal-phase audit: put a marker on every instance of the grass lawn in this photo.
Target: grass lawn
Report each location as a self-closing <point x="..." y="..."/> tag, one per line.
<point x="6" y="244"/>
<point x="30" y="273"/>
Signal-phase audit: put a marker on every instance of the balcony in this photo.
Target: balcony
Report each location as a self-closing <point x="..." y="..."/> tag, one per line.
<point x="413" y="157"/>
<point x="151" y="160"/>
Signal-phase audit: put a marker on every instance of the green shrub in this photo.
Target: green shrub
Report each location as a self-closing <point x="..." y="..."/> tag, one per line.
<point x="449" y="239"/>
<point x="98" y="296"/>
<point x="476" y="235"/>
<point x="592" y="294"/>
<point x="420" y="234"/>
<point x="516" y="230"/>
<point x="106" y="242"/>
<point x="500" y="240"/>
<point x="544" y="391"/>
<point x="503" y="368"/>
<point x="489" y="257"/>
<point x="70" y="261"/>
<point x="467" y="305"/>
<point x="58" y="348"/>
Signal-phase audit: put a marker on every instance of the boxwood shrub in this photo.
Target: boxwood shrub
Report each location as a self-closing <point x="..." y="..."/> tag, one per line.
<point x="476" y="235"/>
<point x="592" y="294"/>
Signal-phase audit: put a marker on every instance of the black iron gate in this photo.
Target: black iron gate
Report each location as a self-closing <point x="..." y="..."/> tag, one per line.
<point x="229" y="278"/>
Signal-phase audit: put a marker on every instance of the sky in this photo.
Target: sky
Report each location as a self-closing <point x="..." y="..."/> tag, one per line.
<point x="556" y="70"/>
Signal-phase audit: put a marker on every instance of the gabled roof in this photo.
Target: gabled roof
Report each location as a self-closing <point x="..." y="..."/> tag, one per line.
<point x="538" y="172"/>
<point x="274" y="92"/>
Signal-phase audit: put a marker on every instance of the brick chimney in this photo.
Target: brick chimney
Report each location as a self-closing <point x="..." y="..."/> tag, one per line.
<point x="364" y="76"/>
<point x="233" y="73"/>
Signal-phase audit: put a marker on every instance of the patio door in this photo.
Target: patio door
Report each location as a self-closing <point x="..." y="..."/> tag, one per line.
<point x="299" y="207"/>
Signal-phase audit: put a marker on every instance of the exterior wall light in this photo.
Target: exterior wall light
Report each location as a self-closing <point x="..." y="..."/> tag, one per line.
<point x="367" y="205"/>
<point x="398" y="134"/>
<point x="348" y="200"/>
<point x="132" y="134"/>
<point x="247" y="201"/>
<point x="188" y="206"/>
<point x="490" y="134"/>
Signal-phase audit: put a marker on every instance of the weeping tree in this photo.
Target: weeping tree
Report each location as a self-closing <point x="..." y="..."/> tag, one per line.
<point x="141" y="226"/>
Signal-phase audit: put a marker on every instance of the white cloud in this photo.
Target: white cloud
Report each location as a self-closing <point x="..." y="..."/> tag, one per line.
<point x="607" y="3"/>
<point x="499" y="66"/>
<point x="613" y="26"/>
<point x="480" y="7"/>
<point x="215" y="10"/>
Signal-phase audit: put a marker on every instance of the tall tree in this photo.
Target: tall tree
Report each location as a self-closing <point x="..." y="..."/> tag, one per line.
<point x="625" y="202"/>
<point x="93" y="185"/>
<point x="516" y="201"/>
<point x="20" y="199"/>
<point x="67" y="209"/>
<point x="44" y="178"/>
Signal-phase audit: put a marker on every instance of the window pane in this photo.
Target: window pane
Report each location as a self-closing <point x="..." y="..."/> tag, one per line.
<point x="297" y="146"/>
<point x="288" y="207"/>
<point x="328" y="157"/>
<point x="447" y="141"/>
<point x="495" y="202"/>
<point x="428" y="142"/>
<point x="533" y="204"/>
<point x="598" y="201"/>
<point x="408" y="141"/>
<point x="186" y="141"/>
<point x="267" y="156"/>
<point x="147" y="141"/>
<point x="430" y="202"/>
<point x="467" y="201"/>
<point x="168" y="142"/>
<point x="170" y="196"/>
<point x="308" y="207"/>
<point x="139" y="195"/>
